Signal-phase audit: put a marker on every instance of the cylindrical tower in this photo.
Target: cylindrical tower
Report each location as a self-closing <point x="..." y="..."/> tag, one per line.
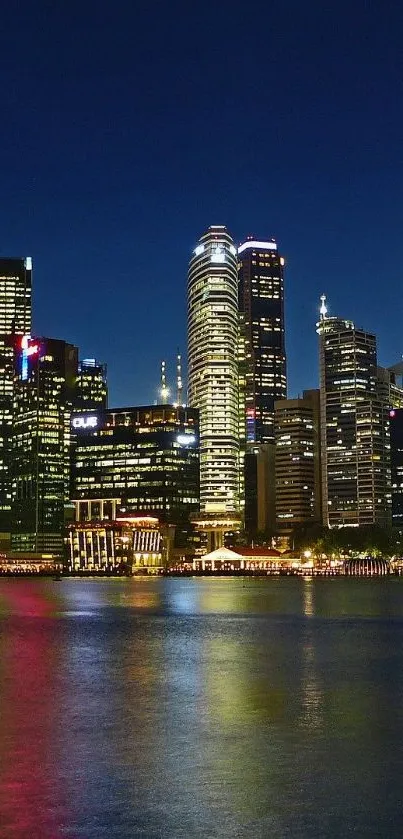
<point x="213" y="367"/>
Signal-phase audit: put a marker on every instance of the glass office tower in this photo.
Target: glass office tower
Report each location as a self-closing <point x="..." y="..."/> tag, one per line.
<point x="261" y="304"/>
<point x="264" y="379"/>
<point x="15" y="321"/>
<point x="140" y="460"/>
<point x="91" y="392"/>
<point x="45" y="377"/>
<point x="354" y="426"/>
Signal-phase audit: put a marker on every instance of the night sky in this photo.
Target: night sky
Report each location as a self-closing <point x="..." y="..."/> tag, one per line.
<point x="129" y="127"/>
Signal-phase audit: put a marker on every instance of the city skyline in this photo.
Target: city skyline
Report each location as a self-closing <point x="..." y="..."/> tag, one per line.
<point x="109" y="172"/>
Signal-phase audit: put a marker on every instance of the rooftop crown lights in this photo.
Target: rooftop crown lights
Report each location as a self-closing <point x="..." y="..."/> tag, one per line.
<point x="268" y="246"/>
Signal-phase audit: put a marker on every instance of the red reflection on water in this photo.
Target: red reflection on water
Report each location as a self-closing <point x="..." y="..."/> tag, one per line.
<point x="31" y="804"/>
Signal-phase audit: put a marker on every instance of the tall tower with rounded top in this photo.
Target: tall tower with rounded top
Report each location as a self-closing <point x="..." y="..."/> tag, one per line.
<point x="213" y="367"/>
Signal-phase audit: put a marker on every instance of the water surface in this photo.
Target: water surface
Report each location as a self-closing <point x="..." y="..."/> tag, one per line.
<point x="180" y="708"/>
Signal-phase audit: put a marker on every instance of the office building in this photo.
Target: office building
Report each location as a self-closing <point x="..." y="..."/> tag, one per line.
<point x="396" y="459"/>
<point x="261" y="304"/>
<point x="137" y="461"/>
<point x="354" y="446"/>
<point x="264" y="380"/>
<point x="260" y="492"/>
<point x="45" y="375"/>
<point x="15" y="321"/>
<point x="91" y="393"/>
<point x="213" y="348"/>
<point x="297" y="461"/>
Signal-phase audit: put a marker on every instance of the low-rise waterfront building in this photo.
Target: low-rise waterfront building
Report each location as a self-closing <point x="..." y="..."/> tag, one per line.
<point x="125" y="545"/>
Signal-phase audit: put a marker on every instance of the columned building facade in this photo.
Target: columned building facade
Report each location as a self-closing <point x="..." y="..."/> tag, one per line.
<point x="213" y="346"/>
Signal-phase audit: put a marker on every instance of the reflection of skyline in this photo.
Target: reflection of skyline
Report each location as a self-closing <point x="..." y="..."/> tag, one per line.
<point x="30" y="801"/>
<point x="170" y="708"/>
<point x="311" y="695"/>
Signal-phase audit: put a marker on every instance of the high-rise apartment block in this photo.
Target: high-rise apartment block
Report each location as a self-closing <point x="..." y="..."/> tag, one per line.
<point x="45" y="377"/>
<point x="15" y="321"/>
<point x="213" y="346"/>
<point x="298" y="496"/>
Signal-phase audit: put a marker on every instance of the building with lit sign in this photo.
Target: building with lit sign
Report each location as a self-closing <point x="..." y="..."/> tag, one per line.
<point x="262" y="323"/>
<point x="91" y="392"/>
<point x="137" y="461"/>
<point x="45" y="375"/>
<point x="213" y="369"/>
<point x="355" y="399"/>
<point x="15" y="321"/>
<point x="298" y="496"/>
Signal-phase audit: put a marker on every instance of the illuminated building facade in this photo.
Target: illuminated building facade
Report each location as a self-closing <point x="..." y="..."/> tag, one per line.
<point x="354" y="428"/>
<point x="261" y="304"/>
<point x="45" y="375"/>
<point x="91" y="386"/>
<point x="136" y="461"/>
<point x="15" y="321"/>
<point x="262" y="324"/>
<point x="396" y="459"/>
<point x="297" y="461"/>
<point x="213" y="348"/>
<point x="126" y="545"/>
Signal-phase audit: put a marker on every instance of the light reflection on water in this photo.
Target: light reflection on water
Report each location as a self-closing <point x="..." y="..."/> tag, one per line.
<point x="206" y="708"/>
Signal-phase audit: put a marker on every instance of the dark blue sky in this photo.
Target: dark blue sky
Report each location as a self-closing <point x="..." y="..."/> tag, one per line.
<point x="128" y="127"/>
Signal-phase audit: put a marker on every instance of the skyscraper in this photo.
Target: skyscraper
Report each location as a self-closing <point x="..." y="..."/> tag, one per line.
<point x="261" y="304"/>
<point x="264" y="378"/>
<point x="298" y="473"/>
<point x="213" y="331"/>
<point x="91" y="391"/>
<point x="45" y="377"/>
<point x="133" y="463"/>
<point x="15" y="320"/>
<point x="355" y="438"/>
<point x="396" y="450"/>
<point x="141" y="460"/>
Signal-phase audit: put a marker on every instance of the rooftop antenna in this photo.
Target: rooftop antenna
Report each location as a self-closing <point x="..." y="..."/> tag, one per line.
<point x="323" y="308"/>
<point x="164" y="389"/>
<point x="179" y="384"/>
